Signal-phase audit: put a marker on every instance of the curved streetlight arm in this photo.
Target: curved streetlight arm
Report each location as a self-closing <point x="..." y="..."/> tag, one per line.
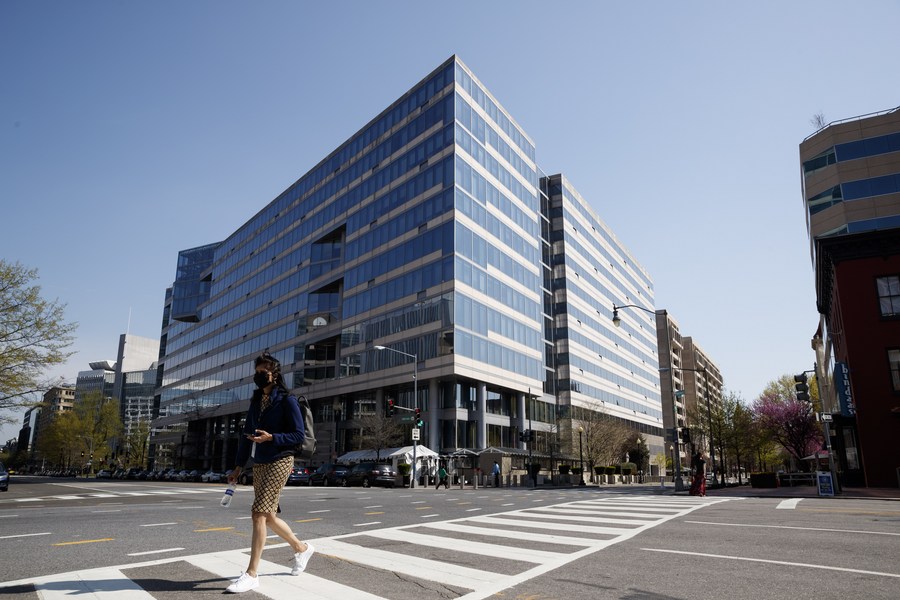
<point x="615" y="317"/>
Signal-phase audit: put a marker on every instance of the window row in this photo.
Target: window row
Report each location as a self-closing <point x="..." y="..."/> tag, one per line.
<point x="491" y="353"/>
<point x="504" y="234"/>
<point x="481" y="319"/>
<point x="465" y="82"/>
<point x="486" y="135"/>
<point x="481" y="281"/>
<point x="405" y="285"/>
<point x="528" y="196"/>
<point x="371" y="175"/>
<point x="412" y="102"/>
<point x="434" y="240"/>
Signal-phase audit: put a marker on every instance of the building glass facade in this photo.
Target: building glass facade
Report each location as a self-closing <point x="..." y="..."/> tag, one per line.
<point x="413" y="263"/>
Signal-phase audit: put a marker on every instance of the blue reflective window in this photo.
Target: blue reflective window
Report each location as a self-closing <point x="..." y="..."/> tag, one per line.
<point x="868" y="147"/>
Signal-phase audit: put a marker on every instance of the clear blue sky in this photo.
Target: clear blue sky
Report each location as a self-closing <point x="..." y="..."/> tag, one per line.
<point x="132" y="130"/>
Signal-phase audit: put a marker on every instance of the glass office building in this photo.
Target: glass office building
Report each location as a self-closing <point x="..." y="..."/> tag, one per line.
<point x="425" y="260"/>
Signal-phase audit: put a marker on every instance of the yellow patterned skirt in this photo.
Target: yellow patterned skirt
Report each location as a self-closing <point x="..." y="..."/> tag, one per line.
<point x="268" y="481"/>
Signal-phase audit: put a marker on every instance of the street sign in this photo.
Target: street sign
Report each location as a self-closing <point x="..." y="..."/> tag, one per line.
<point x="407" y="419"/>
<point x="415" y="433"/>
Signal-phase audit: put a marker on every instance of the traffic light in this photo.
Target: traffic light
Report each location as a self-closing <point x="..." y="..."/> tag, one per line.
<point x="82" y="454"/>
<point x="390" y="407"/>
<point x="419" y="422"/>
<point x="802" y="387"/>
<point x="521" y="436"/>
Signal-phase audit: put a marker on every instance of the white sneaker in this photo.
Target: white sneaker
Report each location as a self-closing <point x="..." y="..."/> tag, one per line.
<point x="244" y="583"/>
<point x="301" y="559"/>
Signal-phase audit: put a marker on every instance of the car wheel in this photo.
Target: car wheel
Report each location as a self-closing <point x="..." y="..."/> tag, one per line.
<point x="309" y="482"/>
<point x="325" y="482"/>
<point x="343" y="483"/>
<point x="366" y="483"/>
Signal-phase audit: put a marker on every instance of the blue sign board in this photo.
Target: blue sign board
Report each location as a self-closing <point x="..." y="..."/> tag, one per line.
<point x="842" y="385"/>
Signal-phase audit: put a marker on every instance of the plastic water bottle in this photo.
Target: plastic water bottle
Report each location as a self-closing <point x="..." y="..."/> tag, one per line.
<point x="229" y="492"/>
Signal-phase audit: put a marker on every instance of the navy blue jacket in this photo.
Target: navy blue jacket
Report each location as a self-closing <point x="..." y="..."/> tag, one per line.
<point x="282" y="419"/>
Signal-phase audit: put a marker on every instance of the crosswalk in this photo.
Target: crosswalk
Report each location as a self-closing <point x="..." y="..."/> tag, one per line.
<point x="473" y="557"/>
<point x="117" y="494"/>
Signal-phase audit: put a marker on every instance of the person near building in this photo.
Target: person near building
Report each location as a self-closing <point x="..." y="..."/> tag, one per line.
<point x="496" y="473"/>
<point x="442" y="478"/>
<point x="698" y="468"/>
<point x="272" y="428"/>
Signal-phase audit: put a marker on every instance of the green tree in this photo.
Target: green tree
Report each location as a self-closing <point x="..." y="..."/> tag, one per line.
<point x="33" y="337"/>
<point x="61" y="443"/>
<point x="136" y="443"/>
<point x="97" y="423"/>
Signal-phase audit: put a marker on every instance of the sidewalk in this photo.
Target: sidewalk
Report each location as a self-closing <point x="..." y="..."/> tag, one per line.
<point x="801" y="491"/>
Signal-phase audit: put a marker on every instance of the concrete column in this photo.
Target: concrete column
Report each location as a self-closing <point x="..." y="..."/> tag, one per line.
<point x="433" y="439"/>
<point x="520" y="416"/>
<point x="480" y="406"/>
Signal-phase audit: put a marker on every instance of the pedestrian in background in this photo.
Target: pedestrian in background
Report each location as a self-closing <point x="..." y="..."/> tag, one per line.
<point x="442" y="478"/>
<point x="496" y="473"/>
<point x="698" y="467"/>
<point x="272" y="428"/>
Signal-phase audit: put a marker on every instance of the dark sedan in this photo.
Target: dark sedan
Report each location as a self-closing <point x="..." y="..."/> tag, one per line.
<point x="369" y="474"/>
<point x="299" y="476"/>
<point x="330" y="474"/>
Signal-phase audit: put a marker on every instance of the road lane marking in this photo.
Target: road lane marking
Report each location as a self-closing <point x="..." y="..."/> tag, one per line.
<point x="429" y="516"/>
<point x="8" y="516"/>
<point x="156" y="551"/>
<point x="157" y="524"/>
<point x="375" y="512"/>
<point x="6" y="537"/>
<point x="213" y="529"/>
<point x="773" y="562"/>
<point x="791" y="527"/>
<point x="107" y="511"/>
<point x="312" y="512"/>
<point x="424" y="508"/>
<point x="375" y="506"/>
<point x="789" y="504"/>
<point x="308" y="520"/>
<point x="367" y="524"/>
<point x="84" y="542"/>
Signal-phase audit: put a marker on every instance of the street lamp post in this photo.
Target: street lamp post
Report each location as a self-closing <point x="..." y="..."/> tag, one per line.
<point x="679" y="482"/>
<point x="415" y="358"/>
<point x="581" y="455"/>
<point x="712" y="450"/>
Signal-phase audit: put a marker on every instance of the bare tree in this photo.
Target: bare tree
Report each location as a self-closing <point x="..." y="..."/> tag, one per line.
<point x="603" y="437"/>
<point x="379" y="433"/>
<point x="818" y="120"/>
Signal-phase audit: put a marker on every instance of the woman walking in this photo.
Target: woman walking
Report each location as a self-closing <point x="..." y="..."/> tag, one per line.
<point x="698" y="484"/>
<point x="272" y="428"/>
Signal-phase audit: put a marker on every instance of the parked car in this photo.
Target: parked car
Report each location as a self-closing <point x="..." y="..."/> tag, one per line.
<point x="246" y="476"/>
<point x="299" y="476"/>
<point x="4" y="478"/>
<point x="118" y="474"/>
<point x="368" y="474"/>
<point x="212" y="476"/>
<point x="329" y="474"/>
<point x="133" y="473"/>
<point x="104" y="474"/>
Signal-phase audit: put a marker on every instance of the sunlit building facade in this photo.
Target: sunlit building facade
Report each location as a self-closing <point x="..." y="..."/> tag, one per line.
<point x="850" y="174"/>
<point x="424" y="260"/>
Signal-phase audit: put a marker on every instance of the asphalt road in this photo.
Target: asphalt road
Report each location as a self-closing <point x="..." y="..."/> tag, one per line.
<point x="173" y="540"/>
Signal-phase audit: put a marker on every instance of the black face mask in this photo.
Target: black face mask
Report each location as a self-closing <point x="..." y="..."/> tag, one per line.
<point x="261" y="379"/>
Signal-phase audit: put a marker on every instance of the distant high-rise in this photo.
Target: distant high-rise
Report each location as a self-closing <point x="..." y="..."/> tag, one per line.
<point x="851" y="193"/>
<point x="429" y="244"/>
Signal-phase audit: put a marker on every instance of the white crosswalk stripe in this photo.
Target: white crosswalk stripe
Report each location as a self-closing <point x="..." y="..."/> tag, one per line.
<point x="579" y="528"/>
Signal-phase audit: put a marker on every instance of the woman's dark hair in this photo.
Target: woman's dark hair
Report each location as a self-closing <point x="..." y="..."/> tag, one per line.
<point x="271" y="364"/>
